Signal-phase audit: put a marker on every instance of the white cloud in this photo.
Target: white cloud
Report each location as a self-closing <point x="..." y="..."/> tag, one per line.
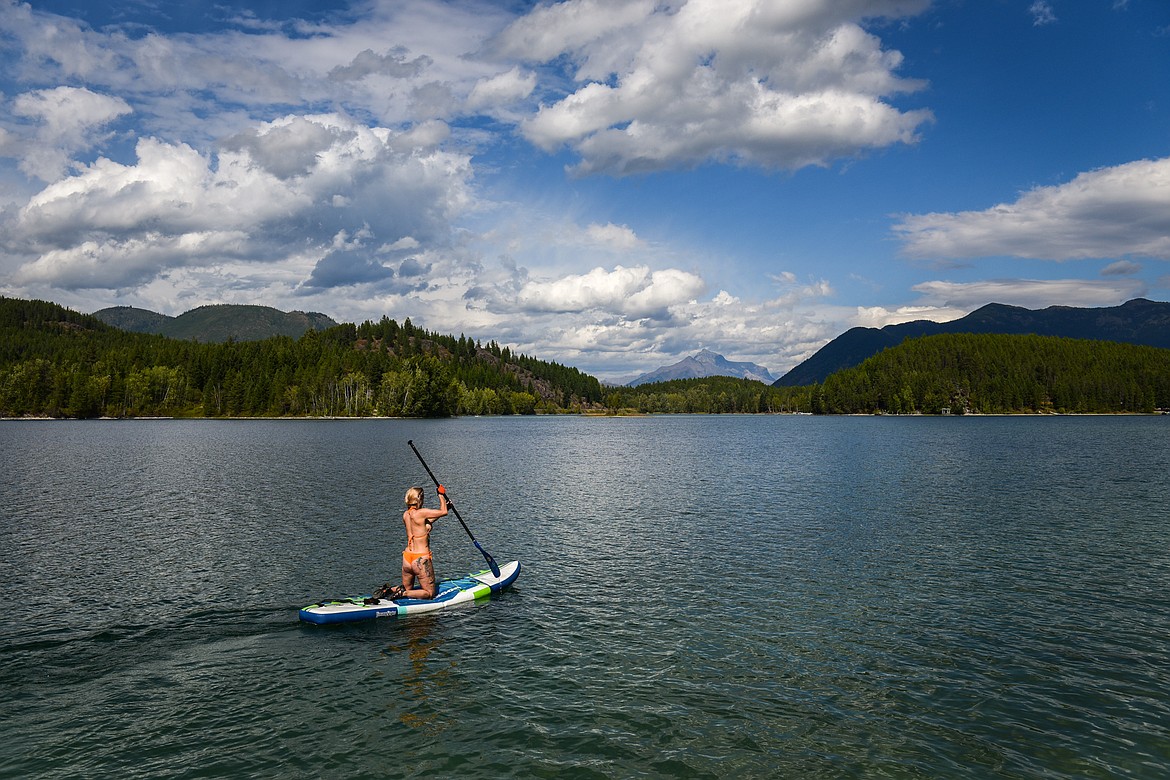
<point x="879" y="316"/>
<point x="943" y="301"/>
<point x="631" y="292"/>
<point x="622" y="321"/>
<point x="1029" y="293"/>
<point x="1110" y="212"/>
<point x="1042" y="13"/>
<point x="406" y="243"/>
<point x="1121" y="268"/>
<point x="289" y="147"/>
<point x="69" y="113"/>
<point x="552" y="29"/>
<point x="746" y="82"/>
<point x="8" y="143"/>
<point x="501" y="90"/>
<point x="127" y="262"/>
<point x="67" y="121"/>
<point x="402" y="62"/>
<point x="269" y="195"/>
<point x="545" y="236"/>
<point x="617" y="236"/>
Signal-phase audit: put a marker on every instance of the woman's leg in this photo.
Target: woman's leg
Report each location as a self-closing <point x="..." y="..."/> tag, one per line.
<point x="425" y="571"/>
<point x="407" y="575"/>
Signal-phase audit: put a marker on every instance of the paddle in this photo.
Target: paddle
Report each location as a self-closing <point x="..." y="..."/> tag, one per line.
<point x="491" y="562"/>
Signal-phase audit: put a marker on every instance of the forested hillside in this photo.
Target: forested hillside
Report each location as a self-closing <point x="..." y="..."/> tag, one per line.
<point x="1001" y="374"/>
<point x="710" y="395"/>
<point x="59" y="363"/>
<point x="1135" y="322"/>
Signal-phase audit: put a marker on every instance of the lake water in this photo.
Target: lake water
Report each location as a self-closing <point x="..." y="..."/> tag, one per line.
<point x="799" y="597"/>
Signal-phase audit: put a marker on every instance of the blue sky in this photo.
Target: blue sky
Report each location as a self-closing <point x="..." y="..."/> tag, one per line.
<point x="610" y="185"/>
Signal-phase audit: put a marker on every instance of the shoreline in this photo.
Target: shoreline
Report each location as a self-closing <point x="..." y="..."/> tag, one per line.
<point x="592" y="415"/>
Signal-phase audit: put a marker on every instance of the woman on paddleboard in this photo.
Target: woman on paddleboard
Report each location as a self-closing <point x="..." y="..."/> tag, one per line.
<point x="417" y="562"/>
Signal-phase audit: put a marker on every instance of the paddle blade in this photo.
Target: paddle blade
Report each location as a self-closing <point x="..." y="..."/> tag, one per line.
<point x="491" y="562"/>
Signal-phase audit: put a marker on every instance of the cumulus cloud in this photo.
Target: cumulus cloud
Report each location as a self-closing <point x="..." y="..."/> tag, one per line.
<point x="67" y="120"/>
<point x="501" y="90"/>
<point x="288" y="147"/>
<point x="171" y="190"/>
<point x="631" y="292"/>
<point x="1109" y="212"/>
<point x="748" y="82"/>
<point x="624" y="320"/>
<point x="129" y="261"/>
<point x="269" y="195"/>
<point x="777" y="333"/>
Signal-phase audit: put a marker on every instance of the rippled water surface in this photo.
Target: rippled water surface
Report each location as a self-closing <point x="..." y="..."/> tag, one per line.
<point x="701" y="597"/>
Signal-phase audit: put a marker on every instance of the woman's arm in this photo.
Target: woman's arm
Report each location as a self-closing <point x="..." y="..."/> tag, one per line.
<point x="431" y="515"/>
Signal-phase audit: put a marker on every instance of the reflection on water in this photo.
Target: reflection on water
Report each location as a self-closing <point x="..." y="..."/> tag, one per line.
<point x="702" y="596"/>
<point x="417" y="640"/>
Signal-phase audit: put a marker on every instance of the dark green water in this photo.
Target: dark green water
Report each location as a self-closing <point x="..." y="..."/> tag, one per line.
<point x="701" y="597"/>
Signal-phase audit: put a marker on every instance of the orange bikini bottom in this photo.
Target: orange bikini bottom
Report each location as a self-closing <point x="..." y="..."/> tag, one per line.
<point x="409" y="557"/>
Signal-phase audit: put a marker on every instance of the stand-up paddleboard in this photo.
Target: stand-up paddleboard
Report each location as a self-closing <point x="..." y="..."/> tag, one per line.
<point x="471" y="587"/>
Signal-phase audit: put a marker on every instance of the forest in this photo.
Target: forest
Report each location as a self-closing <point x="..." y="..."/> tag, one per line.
<point x="967" y="373"/>
<point x="709" y="395"/>
<point x="55" y="362"/>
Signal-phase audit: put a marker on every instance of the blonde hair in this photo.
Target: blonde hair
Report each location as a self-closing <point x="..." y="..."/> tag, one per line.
<point x="414" y="497"/>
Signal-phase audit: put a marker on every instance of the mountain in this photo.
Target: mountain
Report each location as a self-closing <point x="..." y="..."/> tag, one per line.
<point x="134" y="320"/>
<point x="218" y="323"/>
<point x="1135" y="322"/>
<point x="705" y="363"/>
<point x="55" y="362"/>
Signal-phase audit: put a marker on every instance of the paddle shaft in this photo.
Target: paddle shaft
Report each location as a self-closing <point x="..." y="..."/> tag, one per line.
<point x="491" y="562"/>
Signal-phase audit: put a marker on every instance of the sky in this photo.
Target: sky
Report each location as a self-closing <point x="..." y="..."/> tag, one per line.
<point x="607" y="185"/>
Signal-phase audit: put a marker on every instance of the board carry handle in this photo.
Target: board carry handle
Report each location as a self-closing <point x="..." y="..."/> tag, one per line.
<point x="491" y="562"/>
